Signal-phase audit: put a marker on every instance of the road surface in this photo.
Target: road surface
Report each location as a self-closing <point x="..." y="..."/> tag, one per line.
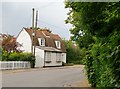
<point x="50" y="77"/>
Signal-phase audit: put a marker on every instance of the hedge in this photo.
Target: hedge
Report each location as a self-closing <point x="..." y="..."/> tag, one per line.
<point x="103" y="62"/>
<point x="19" y="57"/>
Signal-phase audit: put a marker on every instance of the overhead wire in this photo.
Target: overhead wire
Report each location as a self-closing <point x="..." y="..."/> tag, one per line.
<point x="41" y="21"/>
<point x="45" y="6"/>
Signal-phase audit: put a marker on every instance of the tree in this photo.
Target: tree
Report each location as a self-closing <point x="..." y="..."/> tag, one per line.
<point x="9" y="43"/>
<point x="100" y="27"/>
<point x="74" y="54"/>
<point x="93" y="19"/>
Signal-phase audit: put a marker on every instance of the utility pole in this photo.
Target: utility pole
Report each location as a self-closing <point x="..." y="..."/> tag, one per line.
<point x="32" y="32"/>
<point x="36" y="19"/>
<point x="35" y="30"/>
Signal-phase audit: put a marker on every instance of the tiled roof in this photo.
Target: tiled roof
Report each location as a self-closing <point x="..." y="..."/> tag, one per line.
<point x="48" y="36"/>
<point x="49" y="49"/>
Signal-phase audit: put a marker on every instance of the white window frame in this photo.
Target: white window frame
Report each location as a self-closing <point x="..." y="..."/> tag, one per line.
<point x="58" y="44"/>
<point x="47" y="56"/>
<point x="58" y="57"/>
<point x="41" y="41"/>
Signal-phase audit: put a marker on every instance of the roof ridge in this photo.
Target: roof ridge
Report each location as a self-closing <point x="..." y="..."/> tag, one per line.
<point x="45" y="34"/>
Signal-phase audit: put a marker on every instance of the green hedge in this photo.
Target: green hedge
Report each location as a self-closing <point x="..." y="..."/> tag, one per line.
<point x="103" y="62"/>
<point x="19" y="57"/>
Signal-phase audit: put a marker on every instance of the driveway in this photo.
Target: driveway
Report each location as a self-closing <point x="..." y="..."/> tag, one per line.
<point x="43" y="77"/>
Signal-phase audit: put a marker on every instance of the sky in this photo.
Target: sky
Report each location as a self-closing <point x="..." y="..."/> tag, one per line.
<point x="16" y="14"/>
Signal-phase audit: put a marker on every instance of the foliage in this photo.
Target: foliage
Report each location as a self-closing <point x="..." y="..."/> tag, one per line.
<point x="11" y="53"/>
<point x="103" y="65"/>
<point x="92" y="19"/>
<point x="5" y="55"/>
<point x="0" y="53"/>
<point x="9" y="43"/>
<point x="74" y="53"/>
<point x="96" y="28"/>
<point x="14" y="56"/>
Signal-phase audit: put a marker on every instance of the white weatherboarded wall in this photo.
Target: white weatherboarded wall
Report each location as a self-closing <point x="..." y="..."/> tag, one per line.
<point x="53" y="61"/>
<point x="39" y="54"/>
<point x="64" y="57"/>
<point x="24" y="39"/>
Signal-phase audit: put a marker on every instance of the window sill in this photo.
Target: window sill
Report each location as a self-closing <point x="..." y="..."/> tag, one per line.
<point x="47" y="61"/>
<point x="42" y="45"/>
<point x="59" y="61"/>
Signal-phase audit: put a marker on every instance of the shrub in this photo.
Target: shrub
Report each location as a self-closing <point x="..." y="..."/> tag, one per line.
<point x="5" y="56"/>
<point x="19" y="57"/>
<point x="28" y="57"/>
<point x="103" y="62"/>
<point x="14" y="57"/>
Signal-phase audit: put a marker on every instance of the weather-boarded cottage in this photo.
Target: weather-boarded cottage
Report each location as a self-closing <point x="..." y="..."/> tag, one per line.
<point x="49" y="49"/>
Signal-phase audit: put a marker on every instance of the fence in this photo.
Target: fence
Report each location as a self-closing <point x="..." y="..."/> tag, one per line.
<point x="14" y="65"/>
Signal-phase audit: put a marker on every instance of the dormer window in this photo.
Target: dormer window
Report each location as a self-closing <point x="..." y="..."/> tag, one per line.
<point x="57" y="44"/>
<point x="41" y="41"/>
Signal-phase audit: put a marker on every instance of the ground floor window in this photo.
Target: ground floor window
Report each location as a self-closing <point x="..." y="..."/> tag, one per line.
<point x="58" y="57"/>
<point x="48" y="56"/>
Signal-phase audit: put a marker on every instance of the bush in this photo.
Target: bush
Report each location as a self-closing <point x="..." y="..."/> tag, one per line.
<point x="5" y="56"/>
<point x="19" y="57"/>
<point x="103" y="62"/>
<point x="14" y="57"/>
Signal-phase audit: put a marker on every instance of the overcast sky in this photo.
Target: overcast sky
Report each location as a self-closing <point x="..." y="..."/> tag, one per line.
<point x="16" y="15"/>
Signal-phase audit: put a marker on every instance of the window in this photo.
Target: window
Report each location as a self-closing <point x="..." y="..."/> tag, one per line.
<point x="41" y="41"/>
<point x="58" y="57"/>
<point x="48" y="57"/>
<point x="57" y="44"/>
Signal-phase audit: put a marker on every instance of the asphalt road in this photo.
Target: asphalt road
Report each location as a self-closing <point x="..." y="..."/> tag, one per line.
<point x="51" y="77"/>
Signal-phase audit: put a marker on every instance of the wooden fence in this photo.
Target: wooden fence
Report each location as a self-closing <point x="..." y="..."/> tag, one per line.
<point x="14" y="65"/>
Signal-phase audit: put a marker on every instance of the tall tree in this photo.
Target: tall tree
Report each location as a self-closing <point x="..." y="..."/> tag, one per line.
<point x="96" y="27"/>
<point x="74" y="53"/>
<point x="92" y="19"/>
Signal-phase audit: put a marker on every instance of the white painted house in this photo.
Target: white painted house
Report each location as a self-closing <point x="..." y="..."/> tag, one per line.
<point x="49" y="50"/>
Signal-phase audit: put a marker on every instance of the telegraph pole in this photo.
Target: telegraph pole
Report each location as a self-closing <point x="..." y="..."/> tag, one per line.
<point x="32" y="32"/>
<point x="36" y="19"/>
<point x="35" y="30"/>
